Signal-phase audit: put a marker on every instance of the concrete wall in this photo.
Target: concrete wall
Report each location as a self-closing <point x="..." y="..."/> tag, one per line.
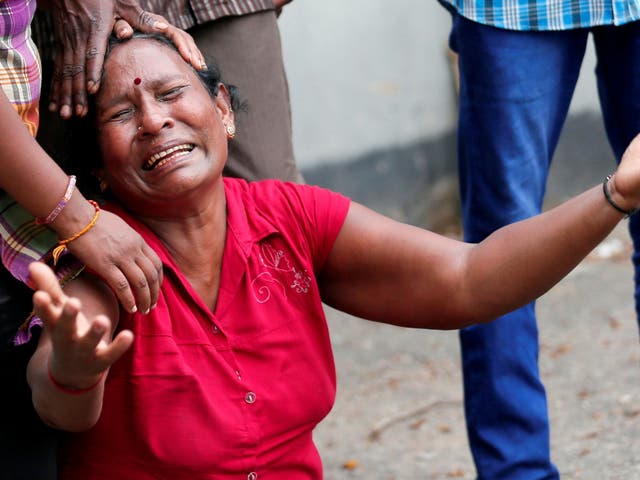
<point x="373" y="103"/>
<point x="365" y="75"/>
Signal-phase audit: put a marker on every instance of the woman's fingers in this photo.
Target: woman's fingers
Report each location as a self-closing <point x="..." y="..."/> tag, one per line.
<point x="43" y="279"/>
<point x="82" y="31"/>
<point x="186" y="46"/>
<point x="148" y="22"/>
<point x="96" y="46"/>
<point x="151" y="265"/>
<point x="68" y="70"/>
<point x="138" y="284"/>
<point x="116" y="253"/>
<point x="140" y="277"/>
<point x="82" y="348"/>
<point x="108" y="355"/>
<point x="122" y="29"/>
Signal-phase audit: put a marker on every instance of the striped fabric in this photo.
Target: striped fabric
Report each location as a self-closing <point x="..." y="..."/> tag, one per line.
<point x="185" y="14"/>
<point x="181" y="13"/>
<point x="19" y="61"/>
<point x="547" y="15"/>
<point x="22" y="241"/>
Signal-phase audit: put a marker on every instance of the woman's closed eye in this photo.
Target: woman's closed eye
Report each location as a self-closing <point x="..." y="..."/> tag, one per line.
<point x="121" y="115"/>
<point x="172" y="93"/>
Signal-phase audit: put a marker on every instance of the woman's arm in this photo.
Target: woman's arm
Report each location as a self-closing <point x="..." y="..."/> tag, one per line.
<point x="394" y="273"/>
<point x="68" y="370"/>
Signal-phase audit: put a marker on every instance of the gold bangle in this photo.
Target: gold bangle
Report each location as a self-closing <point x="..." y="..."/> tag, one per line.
<point x="62" y="244"/>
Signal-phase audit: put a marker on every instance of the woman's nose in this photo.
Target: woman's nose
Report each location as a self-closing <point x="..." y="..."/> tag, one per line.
<point x="153" y="120"/>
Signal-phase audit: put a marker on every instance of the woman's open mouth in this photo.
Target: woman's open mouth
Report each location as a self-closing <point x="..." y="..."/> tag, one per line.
<point x="158" y="159"/>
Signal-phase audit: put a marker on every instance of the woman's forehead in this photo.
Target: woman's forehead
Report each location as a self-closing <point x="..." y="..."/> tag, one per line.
<point x="144" y="52"/>
<point x="139" y="61"/>
<point x="139" y="64"/>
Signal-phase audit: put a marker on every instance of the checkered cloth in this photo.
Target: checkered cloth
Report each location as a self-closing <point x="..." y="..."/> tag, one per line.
<point x="21" y="240"/>
<point x="547" y="15"/>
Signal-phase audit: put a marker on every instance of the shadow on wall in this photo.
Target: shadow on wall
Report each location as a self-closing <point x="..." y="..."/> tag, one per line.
<point x="417" y="183"/>
<point x="414" y="183"/>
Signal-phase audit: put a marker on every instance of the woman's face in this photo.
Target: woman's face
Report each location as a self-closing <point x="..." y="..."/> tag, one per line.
<point x="161" y="134"/>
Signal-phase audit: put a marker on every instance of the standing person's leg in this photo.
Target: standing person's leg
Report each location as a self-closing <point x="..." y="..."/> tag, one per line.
<point x="28" y="448"/>
<point x="618" y="74"/>
<point x="248" y="50"/>
<point x="515" y="90"/>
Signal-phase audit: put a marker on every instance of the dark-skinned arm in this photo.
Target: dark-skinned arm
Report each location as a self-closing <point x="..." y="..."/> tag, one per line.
<point x="389" y="272"/>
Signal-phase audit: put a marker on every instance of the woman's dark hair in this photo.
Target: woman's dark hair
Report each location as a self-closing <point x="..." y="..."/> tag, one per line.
<point x="84" y="154"/>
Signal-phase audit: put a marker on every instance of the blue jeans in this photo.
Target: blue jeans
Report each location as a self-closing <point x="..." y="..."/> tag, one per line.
<point x="515" y="90"/>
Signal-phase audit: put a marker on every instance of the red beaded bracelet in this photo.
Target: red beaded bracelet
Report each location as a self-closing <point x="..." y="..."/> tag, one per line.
<point x="58" y="208"/>
<point x="71" y="391"/>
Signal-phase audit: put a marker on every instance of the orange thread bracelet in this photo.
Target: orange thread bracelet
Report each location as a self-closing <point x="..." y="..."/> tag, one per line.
<point x="58" y="208"/>
<point x="70" y="391"/>
<point x="62" y="244"/>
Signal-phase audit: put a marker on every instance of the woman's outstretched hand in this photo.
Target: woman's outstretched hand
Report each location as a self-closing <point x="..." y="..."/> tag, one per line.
<point x="81" y="347"/>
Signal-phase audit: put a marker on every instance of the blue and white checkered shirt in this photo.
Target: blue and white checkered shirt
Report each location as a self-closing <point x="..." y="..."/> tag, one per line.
<point x="547" y="15"/>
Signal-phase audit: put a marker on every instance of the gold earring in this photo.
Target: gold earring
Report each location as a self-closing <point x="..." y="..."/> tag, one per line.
<point x="230" y="128"/>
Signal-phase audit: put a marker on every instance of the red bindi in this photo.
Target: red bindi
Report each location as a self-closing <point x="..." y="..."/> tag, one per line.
<point x="137" y="81"/>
